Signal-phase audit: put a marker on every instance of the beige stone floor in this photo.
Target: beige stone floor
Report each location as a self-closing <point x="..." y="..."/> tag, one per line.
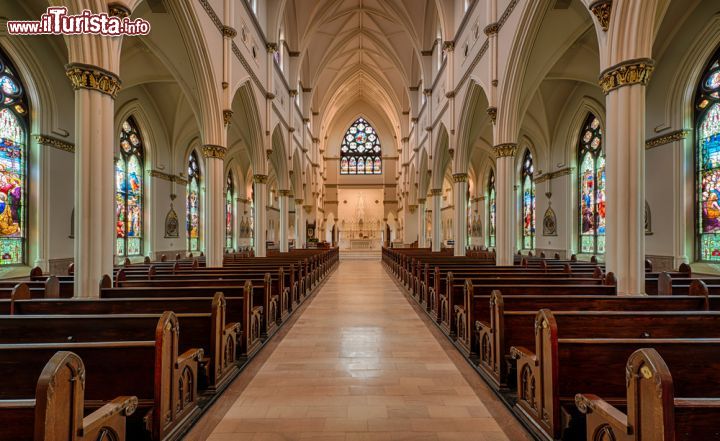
<point x="360" y="364"/>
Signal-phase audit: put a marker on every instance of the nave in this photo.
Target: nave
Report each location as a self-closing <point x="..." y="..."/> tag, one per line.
<point x="360" y="364"/>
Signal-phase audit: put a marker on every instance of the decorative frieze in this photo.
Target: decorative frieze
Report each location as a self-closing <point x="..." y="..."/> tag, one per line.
<point x="602" y="10"/>
<point x="260" y="179"/>
<point x="627" y="73"/>
<point x="657" y="141"/>
<point x="56" y="143"/>
<point x="214" y="151"/>
<point x="83" y="76"/>
<point x="505" y="150"/>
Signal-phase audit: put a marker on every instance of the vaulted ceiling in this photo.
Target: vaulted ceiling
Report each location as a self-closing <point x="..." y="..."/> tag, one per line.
<point x="349" y="50"/>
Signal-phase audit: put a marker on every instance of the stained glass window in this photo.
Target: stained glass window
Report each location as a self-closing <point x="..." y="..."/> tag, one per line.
<point x="229" y="212"/>
<point x="14" y="123"/>
<point x="360" y="151"/>
<point x="251" y="221"/>
<point x="491" y="209"/>
<point x="591" y="191"/>
<point x="528" y="201"/>
<point x="129" y="191"/>
<point x="193" y="203"/>
<point x="707" y="117"/>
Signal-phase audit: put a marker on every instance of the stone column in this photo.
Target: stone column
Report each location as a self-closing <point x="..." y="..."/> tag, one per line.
<point x="624" y="87"/>
<point x="436" y="194"/>
<point x="214" y="204"/>
<point x="461" y="208"/>
<point x="422" y="221"/>
<point x="299" y="224"/>
<point x="95" y="91"/>
<point x="260" y="218"/>
<point x="505" y="227"/>
<point x="284" y="215"/>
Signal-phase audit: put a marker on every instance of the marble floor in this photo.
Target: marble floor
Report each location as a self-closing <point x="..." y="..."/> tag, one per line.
<point x="361" y="364"/>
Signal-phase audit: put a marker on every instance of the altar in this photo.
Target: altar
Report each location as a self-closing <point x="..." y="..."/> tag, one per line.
<point x="361" y="244"/>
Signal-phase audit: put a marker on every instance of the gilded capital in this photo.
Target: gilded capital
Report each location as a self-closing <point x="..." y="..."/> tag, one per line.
<point x="227" y="116"/>
<point x="421" y="200"/>
<point x="260" y="179"/>
<point x="83" y="76"/>
<point x="214" y="151"/>
<point x="271" y="48"/>
<point x="492" y="29"/>
<point x="506" y="149"/>
<point x="229" y="32"/>
<point x="602" y="10"/>
<point x="283" y="192"/>
<point x="436" y="192"/>
<point x="118" y="10"/>
<point x="492" y="111"/>
<point x="627" y="73"/>
<point x="460" y="177"/>
<point x="449" y="46"/>
<point x="299" y="201"/>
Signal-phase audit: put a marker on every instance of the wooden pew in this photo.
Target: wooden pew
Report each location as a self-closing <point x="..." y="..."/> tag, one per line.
<point x="507" y="321"/>
<point x="164" y="381"/>
<point x="48" y="404"/>
<point x="458" y="311"/>
<point x="664" y="403"/>
<point x="576" y="352"/>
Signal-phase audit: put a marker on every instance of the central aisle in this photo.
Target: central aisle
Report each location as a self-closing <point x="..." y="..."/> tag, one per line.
<point x="359" y="364"/>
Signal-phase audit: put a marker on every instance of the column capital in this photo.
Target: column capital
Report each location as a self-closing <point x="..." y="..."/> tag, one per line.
<point x="85" y="76"/>
<point x="227" y="116"/>
<point x="448" y="46"/>
<point x="602" y="10"/>
<point x="283" y="192"/>
<point x="299" y="201"/>
<point x="421" y="200"/>
<point x="505" y="149"/>
<point x="229" y="31"/>
<point x="436" y="192"/>
<point x="460" y="177"/>
<point x="214" y="151"/>
<point x="627" y="73"/>
<point x="492" y="29"/>
<point x="118" y="10"/>
<point x="260" y="179"/>
<point x="271" y="48"/>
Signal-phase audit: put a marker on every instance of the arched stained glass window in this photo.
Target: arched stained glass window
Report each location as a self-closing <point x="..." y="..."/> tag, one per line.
<point x="14" y="125"/>
<point x="360" y="151"/>
<point x="193" y="203"/>
<point x="251" y="221"/>
<point x="707" y="125"/>
<point x="491" y="208"/>
<point x="528" y="201"/>
<point x="129" y="191"/>
<point x="591" y="191"/>
<point x="229" y="211"/>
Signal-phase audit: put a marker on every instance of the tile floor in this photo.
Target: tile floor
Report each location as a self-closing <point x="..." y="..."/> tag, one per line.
<point x="360" y="364"/>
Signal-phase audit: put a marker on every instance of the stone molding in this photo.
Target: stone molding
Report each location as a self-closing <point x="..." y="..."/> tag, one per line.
<point x="51" y="141"/>
<point x="168" y="177"/>
<point x="553" y="175"/>
<point x="657" y="141"/>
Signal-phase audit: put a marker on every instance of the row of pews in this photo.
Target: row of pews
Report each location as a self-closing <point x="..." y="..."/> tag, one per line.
<point x="572" y="359"/>
<point x="143" y="361"/>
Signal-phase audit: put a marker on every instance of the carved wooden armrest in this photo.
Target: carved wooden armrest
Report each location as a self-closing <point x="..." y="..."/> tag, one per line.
<point x="603" y="414"/>
<point x="522" y="353"/>
<point x="480" y="325"/>
<point x="232" y="328"/>
<point x="120" y="407"/>
<point x="459" y="309"/>
<point x="189" y="358"/>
